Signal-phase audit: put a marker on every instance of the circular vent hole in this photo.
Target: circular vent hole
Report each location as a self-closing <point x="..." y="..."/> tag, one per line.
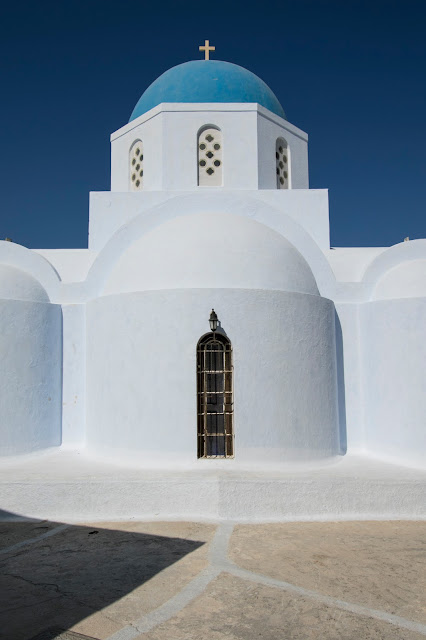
<point x="216" y="146"/>
<point x="282" y="180"/>
<point x="202" y="146"/>
<point x="202" y="163"/>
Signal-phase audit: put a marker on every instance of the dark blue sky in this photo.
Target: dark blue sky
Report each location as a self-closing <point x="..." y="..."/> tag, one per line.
<point x="350" y="74"/>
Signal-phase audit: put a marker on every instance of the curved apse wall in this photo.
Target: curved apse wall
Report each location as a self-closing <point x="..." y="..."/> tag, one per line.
<point x="141" y="389"/>
<point x="31" y="366"/>
<point x="394" y="356"/>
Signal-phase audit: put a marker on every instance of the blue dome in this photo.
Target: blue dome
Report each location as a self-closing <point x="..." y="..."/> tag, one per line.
<point x="207" y="81"/>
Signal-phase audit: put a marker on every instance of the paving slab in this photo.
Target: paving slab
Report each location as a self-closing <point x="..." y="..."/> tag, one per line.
<point x="161" y="586"/>
<point x="381" y="565"/>
<point x="234" y="609"/>
<point x="12" y="533"/>
<point x="191" y="581"/>
<point x="93" y="579"/>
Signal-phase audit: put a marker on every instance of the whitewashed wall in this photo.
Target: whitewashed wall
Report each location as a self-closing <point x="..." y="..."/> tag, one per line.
<point x="210" y="250"/>
<point x="351" y="406"/>
<point x="266" y="295"/>
<point x="141" y="374"/>
<point x="405" y="280"/>
<point x="74" y="374"/>
<point x="169" y="135"/>
<point x="30" y="376"/>
<point x="308" y="208"/>
<point x="269" y="128"/>
<point x="394" y="380"/>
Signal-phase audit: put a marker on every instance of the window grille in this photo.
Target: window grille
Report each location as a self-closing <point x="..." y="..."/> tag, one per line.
<point x="210" y="158"/>
<point x="282" y="164"/>
<point x="136" y="166"/>
<point x="215" y="397"/>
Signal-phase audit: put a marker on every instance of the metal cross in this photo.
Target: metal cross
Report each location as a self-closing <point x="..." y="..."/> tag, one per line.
<point x="207" y="48"/>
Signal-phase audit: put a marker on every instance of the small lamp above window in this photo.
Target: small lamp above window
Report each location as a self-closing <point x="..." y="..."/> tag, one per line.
<point x="213" y="320"/>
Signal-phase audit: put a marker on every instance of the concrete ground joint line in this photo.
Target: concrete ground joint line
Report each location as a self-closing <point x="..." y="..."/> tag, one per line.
<point x="42" y="536"/>
<point x="168" y="609"/>
<point x="398" y="621"/>
<point x="217" y="558"/>
<point x="218" y="552"/>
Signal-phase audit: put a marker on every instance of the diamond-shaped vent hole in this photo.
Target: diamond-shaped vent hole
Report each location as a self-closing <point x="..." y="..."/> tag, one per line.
<point x="136" y="166"/>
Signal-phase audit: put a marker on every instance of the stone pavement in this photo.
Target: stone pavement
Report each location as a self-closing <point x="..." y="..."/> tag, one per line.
<point x="193" y="581"/>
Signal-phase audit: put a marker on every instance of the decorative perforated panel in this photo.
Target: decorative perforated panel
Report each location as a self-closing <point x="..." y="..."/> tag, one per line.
<point x="136" y="166"/>
<point x="210" y="158"/>
<point x="282" y="164"/>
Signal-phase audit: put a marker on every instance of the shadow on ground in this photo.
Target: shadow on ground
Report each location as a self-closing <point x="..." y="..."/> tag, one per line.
<point x="60" y="579"/>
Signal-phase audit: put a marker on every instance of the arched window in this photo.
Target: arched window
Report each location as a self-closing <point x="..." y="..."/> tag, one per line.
<point x="215" y="397"/>
<point x="282" y="164"/>
<point x="210" y="157"/>
<point x="136" y="166"/>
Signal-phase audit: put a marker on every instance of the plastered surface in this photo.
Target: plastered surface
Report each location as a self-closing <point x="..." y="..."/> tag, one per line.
<point x="98" y="345"/>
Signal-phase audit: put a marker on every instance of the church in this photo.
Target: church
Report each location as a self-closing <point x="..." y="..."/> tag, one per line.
<point x="209" y="339"/>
